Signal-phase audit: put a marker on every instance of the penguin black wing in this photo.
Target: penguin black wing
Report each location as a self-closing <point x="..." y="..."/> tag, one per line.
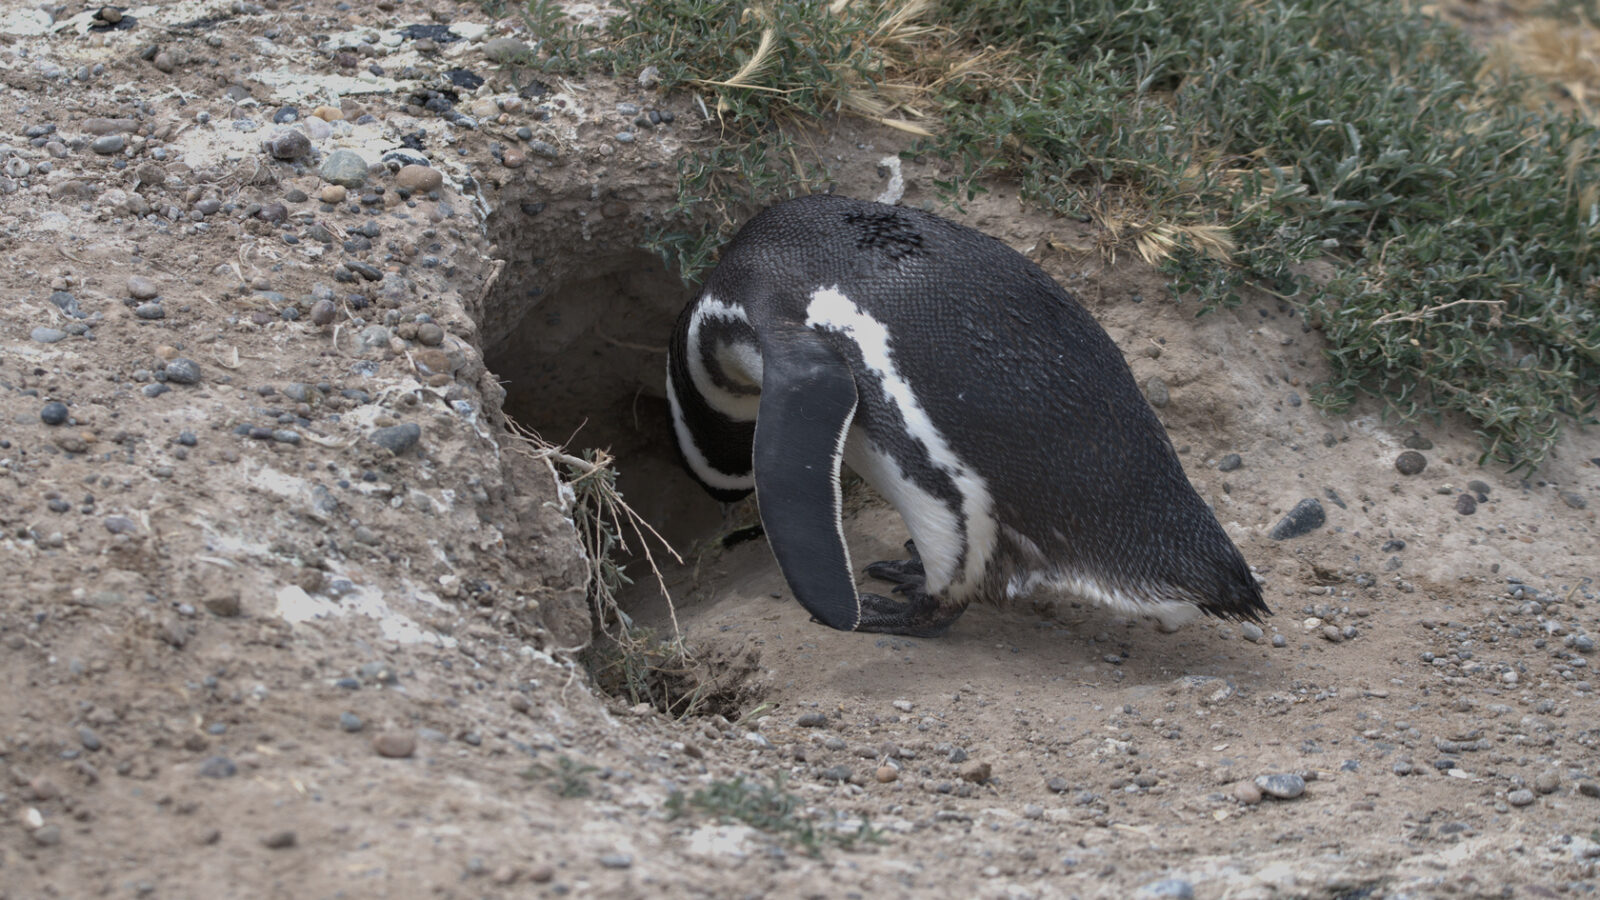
<point x="808" y="399"/>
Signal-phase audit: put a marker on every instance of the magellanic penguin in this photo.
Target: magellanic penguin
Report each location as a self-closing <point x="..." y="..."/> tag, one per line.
<point x="964" y="385"/>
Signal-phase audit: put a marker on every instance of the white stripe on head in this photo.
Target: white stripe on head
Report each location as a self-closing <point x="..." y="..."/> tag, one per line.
<point x="740" y="360"/>
<point x="698" y="464"/>
<point x="831" y="310"/>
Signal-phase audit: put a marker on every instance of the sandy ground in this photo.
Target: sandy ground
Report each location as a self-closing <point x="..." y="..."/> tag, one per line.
<point x="250" y="650"/>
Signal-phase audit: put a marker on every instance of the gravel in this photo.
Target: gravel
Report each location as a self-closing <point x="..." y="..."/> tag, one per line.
<point x="1306" y="517"/>
<point x="1281" y="786"/>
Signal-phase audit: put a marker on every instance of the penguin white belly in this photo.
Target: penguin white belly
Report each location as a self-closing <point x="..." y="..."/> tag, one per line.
<point x="934" y="526"/>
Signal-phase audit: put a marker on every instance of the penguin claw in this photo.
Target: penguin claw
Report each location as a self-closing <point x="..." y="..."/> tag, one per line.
<point x="901" y="572"/>
<point x="921" y="615"/>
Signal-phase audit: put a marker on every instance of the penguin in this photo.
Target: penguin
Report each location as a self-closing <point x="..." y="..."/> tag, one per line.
<point x="965" y="386"/>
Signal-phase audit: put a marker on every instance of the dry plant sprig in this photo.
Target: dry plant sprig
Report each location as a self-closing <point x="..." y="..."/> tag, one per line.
<point x="601" y="517"/>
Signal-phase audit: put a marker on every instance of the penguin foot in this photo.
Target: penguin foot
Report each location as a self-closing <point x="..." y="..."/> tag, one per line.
<point x="920" y="615"/>
<point x="905" y="574"/>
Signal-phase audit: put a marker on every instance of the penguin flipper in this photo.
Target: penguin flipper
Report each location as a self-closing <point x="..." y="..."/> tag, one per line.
<point x="808" y="399"/>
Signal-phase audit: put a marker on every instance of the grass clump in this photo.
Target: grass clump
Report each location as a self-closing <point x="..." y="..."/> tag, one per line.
<point x="768" y="807"/>
<point x="1235" y="142"/>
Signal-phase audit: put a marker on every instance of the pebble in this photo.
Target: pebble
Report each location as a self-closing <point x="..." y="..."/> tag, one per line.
<point x="975" y="771"/>
<point x="225" y="605"/>
<point x="218" y="767"/>
<point x="328" y="113"/>
<point x="108" y="144"/>
<point x="142" y="288"/>
<point x="47" y="836"/>
<point x="323" y="312"/>
<point x="1589" y="788"/>
<point x="119" y="525"/>
<point x="1251" y="632"/>
<point x="812" y="720"/>
<point x="419" y="179"/>
<point x="279" y="840"/>
<point x="154" y="390"/>
<point x="345" y="168"/>
<point x="1166" y="889"/>
<point x="1246" y="792"/>
<point x="332" y="194"/>
<point x="1410" y="463"/>
<point x="91" y="741"/>
<point x="43" y="335"/>
<point x="183" y="370"/>
<point x="430" y="334"/>
<point x="289" y="143"/>
<point x="617" y="860"/>
<point x="1155" y="390"/>
<point x="1574" y="499"/>
<point x="150" y="311"/>
<point x="1523" y="797"/>
<point x="1547" y="782"/>
<point x="1306" y="517"/>
<point x="1466" y="504"/>
<point x="395" y="744"/>
<point x="1058" y="785"/>
<point x="1281" y="787"/>
<point x="1230" y="462"/>
<point x="53" y="413"/>
<point x="349" y="721"/>
<point x="836" y="773"/>
<point x="397" y="439"/>
<point x="886" y="774"/>
<point x="1331" y="634"/>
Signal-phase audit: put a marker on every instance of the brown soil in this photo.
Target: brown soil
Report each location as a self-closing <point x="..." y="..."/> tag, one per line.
<point x="287" y="662"/>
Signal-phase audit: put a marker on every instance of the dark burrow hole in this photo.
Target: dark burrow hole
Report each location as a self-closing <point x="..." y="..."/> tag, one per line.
<point x="584" y="366"/>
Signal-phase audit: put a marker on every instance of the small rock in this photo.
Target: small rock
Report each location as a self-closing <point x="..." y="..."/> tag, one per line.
<point x="886" y="774"/>
<point x="47" y="836"/>
<point x="1155" y="390"/>
<point x="1058" y="785"/>
<point x="1417" y="442"/>
<point x="1306" y="517"/>
<point x="1466" y="504"/>
<point x="91" y="741"/>
<point x="1410" y="463"/>
<point x="53" y="413"/>
<point x="150" y="311"/>
<point x="349" y="721"/>
<point x="1332" y="634"/>
<point x="345" y="168"/>
<point x="323" y="312"/>
<point x="108" y="144"/>
<point x="1166" y="889"/>
<point x="1547" y="782"/>
<point x="397" y="439"/>
<point x="142" y="288"/>
<point x="183" y="371"/>
<point x="332" y="194"/>
<point x="419" y="179"/>
<point x="288" y="143"/>
<point x="1230" y="462"/>
<point x="1281" y="787"/>
<point x="395" y="744"/>
<point x="1574" y="499"/>
<point x="836" y="773"/>
<point x="1523" y="797"/>
<point x="541" y="873"/>
<point x="328" y="113"/>
<point x="812" y="720"/>
<point x="1246" y="792"/>
<point x="225" y="605"/>
<point x="44" y="335"/>
<point x="617" y="860"/>
<point x="119" y="525"/>
<point x="975" y="771"/>
<point x="1251" y="632"/>
<point x="1589" y="788"/>
<point x="218" y="767"/>
<point x="279" y="840"/>
<point x="430" y="334"/>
